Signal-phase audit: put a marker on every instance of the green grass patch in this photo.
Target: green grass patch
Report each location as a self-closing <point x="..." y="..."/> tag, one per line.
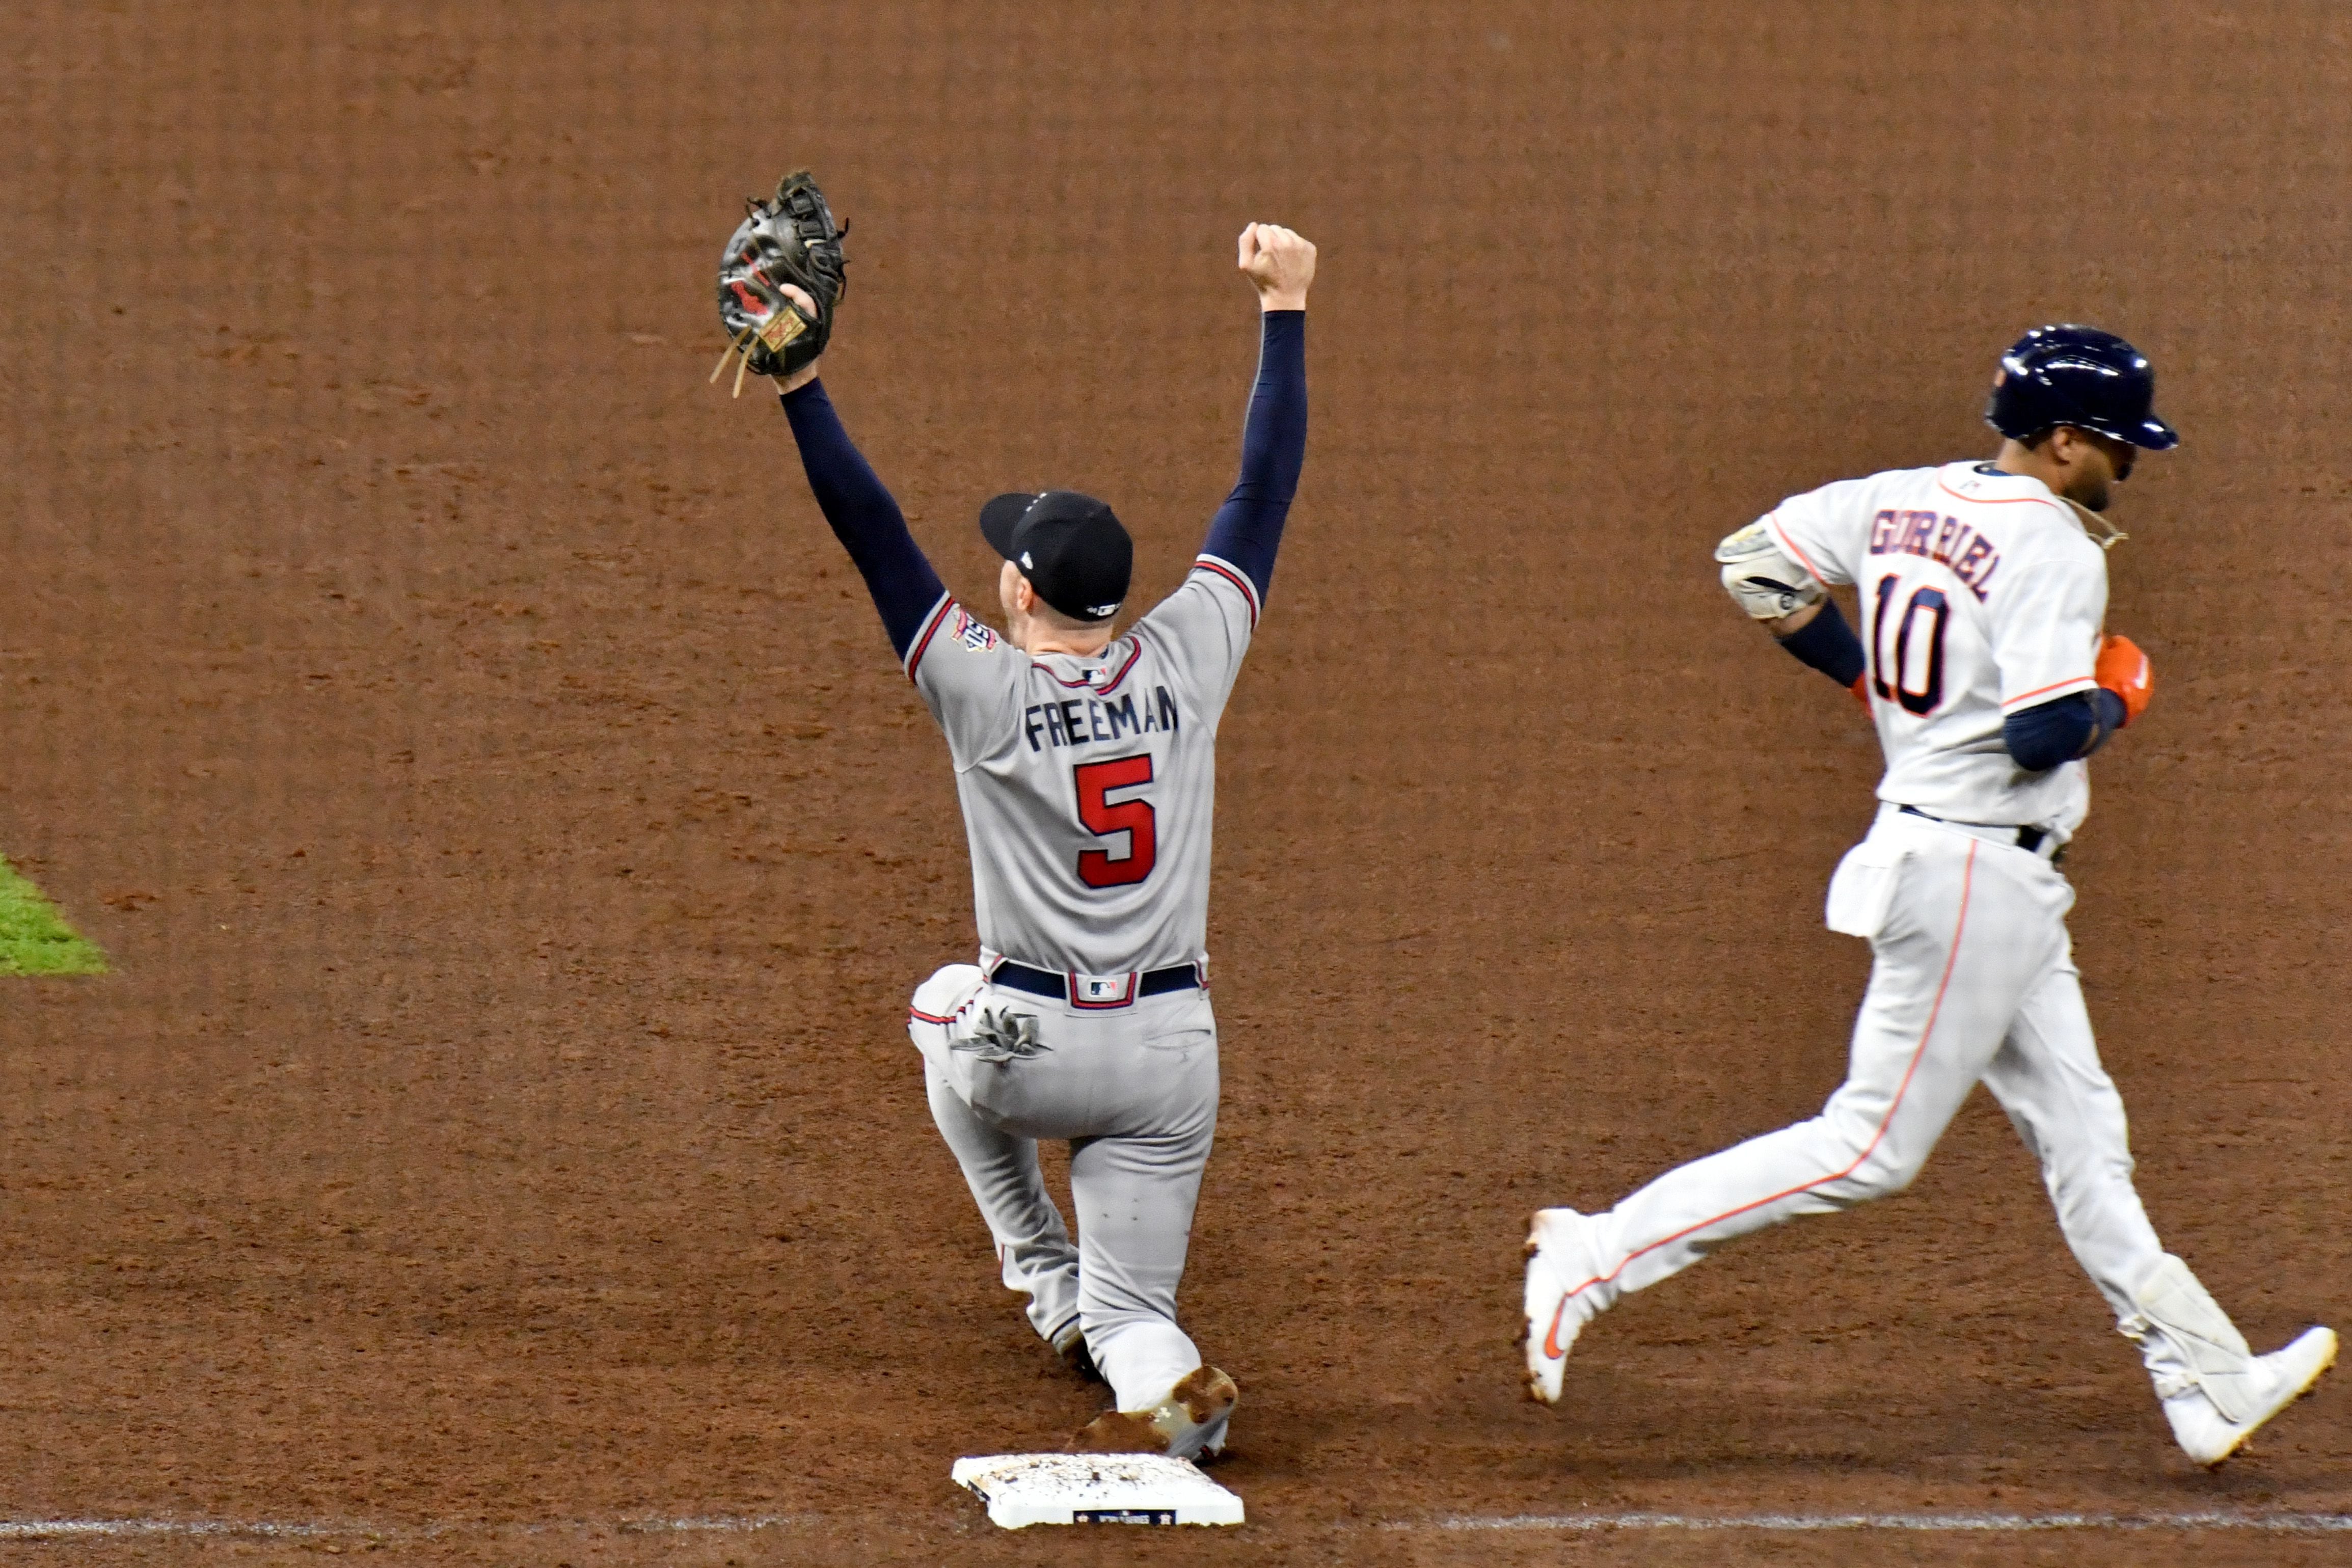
<point x="34" y="938"/>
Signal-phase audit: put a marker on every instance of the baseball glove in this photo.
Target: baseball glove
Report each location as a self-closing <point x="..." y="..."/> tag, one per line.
<point x="791" y="239"/>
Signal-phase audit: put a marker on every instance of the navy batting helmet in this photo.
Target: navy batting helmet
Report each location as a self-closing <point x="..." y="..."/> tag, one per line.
<point x="2066" y="374"/>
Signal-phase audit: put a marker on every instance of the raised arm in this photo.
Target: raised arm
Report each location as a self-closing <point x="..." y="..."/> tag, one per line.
<point x="1247" y="530"/>
<point x="864" y="517"/>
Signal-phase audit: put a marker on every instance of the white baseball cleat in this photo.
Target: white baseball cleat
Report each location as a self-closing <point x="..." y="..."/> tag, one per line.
<point x="1190" y="1422"/>
<point x="2279" y="1378"/>
<point x="1560" y="1261"/>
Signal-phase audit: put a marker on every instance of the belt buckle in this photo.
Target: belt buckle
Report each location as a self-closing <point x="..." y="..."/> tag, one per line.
<point x="1102" y="991"/>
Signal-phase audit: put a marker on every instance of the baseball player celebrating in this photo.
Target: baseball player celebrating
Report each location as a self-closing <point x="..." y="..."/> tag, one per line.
<point x="1983" y="587"/>
<point x="1086" y="765"/>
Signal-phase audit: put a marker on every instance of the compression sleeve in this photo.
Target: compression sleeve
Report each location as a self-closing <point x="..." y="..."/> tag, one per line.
<point x="1247" y="530"/>
<point x="2075" y="725"/>
<point x="1828" y="643"/>
<point x="863" y="517"/>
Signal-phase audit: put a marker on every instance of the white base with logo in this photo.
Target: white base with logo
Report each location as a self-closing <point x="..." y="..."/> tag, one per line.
<point x="1022" y="1490"/>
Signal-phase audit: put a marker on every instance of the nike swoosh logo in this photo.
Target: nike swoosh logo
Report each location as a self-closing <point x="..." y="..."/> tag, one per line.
<point x="1552" y="1348"/>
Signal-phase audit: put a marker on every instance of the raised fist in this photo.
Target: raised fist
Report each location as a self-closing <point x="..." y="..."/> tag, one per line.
<point x="1280" y="263"/>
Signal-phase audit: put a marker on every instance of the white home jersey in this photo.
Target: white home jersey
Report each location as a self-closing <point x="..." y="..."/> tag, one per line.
<point x="1088" y="785"/>
<point x="1982" y="594"/>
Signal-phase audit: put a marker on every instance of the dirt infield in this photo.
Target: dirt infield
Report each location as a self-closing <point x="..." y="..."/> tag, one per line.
<point x="515" y="845"/>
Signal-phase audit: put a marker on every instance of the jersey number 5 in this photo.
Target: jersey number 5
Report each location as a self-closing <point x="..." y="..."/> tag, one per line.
<point x="1927" y="605"/>
<point x="1105" y="816"/>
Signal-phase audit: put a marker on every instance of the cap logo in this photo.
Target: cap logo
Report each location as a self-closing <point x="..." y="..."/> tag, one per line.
<point x="1101" y="612"/>
<point x="1027" y="565"/>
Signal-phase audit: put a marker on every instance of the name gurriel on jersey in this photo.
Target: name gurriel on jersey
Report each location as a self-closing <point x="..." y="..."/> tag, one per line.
<point x="1080" y="721"/>
<point x="1971" y="556"/>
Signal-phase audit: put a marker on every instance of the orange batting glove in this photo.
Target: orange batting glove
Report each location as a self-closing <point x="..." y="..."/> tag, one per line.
<point x="2123" y="669"/>
<point x="1860" y="690"/>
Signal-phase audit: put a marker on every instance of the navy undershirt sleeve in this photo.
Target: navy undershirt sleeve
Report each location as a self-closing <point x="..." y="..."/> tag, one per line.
<point x="2049" y="734"/>
<point x="1828" y="643"/>
<point x="1247" y="530"/>
<point x="863" y="517"/>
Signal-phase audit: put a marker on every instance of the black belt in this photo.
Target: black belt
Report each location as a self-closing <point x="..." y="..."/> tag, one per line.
<point x="1045" y="982"/>
<point x="2029" y="839"/>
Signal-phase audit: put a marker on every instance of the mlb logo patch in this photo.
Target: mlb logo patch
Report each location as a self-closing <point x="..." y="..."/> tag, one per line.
<point x="1101" y="990"/>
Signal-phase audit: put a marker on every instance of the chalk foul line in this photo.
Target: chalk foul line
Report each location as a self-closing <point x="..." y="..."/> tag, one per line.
<point x="363" y="1530"/>
<point x="2268" y="1522"/>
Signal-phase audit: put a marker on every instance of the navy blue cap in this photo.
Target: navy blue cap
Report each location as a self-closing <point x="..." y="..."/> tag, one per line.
<point x="1073" y="550"/>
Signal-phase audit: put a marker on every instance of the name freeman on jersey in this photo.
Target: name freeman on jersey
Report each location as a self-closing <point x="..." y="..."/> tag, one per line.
<point x="1080" y="721"/>
<point x="1938" y="537"/>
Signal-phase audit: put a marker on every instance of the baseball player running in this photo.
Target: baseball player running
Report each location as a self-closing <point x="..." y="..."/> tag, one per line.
<point x="1983" y="587"/>
<point x="1086" y="765"/>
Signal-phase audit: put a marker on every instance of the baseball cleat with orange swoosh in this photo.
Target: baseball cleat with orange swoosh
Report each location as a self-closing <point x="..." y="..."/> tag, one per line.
<point x="1560" y="1261"/>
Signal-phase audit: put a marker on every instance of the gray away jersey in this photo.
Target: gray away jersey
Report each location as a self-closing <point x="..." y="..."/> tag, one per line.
<point x="1088" y="785"/>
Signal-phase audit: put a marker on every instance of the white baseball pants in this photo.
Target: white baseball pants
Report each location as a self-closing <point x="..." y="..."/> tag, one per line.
<point x="1135" y="1092"/>
<point x="1974" y="980"/>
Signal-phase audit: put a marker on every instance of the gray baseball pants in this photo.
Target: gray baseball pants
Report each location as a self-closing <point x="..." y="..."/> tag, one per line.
<point x="1134" y="1089"/>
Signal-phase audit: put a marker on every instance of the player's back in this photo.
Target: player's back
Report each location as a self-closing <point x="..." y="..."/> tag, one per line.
<point x="1982" y="594"/>
<point x="1088" y="783"/>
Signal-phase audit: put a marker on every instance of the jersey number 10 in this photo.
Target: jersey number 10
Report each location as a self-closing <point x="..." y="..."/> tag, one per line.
<point x="1928" y="605"/>
<point x="1103" y="816"/>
